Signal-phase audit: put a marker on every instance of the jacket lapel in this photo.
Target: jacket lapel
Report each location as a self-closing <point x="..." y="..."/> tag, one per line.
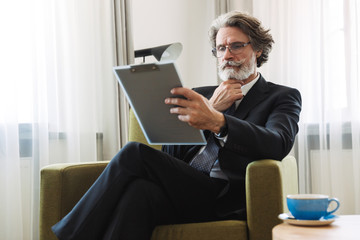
<point x="256" y="94"/>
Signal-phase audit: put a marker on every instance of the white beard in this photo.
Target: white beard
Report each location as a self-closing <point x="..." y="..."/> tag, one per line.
<point x="244" y="71"/>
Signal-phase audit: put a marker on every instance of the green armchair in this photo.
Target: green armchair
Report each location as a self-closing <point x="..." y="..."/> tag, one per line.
<point x="62" y="185"/>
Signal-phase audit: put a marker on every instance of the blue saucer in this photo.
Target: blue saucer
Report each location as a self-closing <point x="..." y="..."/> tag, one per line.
<point x="288" y="218"/>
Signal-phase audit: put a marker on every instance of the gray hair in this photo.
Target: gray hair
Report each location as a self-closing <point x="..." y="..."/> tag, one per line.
<point x="260" y="38"/>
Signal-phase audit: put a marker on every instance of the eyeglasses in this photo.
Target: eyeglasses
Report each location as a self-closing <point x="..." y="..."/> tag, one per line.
<point x="235" y="48"/>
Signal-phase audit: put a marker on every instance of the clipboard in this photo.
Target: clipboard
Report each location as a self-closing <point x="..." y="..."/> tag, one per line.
<point x="146" y="86"/>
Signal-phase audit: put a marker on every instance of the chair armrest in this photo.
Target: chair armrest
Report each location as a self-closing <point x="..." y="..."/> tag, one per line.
<point x="267" y="184"/>
<point x="61" y="187"/>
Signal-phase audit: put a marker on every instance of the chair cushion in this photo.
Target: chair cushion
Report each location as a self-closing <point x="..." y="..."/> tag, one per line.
<point x="217" y="230"/>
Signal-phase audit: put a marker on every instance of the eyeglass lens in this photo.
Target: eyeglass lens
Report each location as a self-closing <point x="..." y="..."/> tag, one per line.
<point x="234" y="48"/>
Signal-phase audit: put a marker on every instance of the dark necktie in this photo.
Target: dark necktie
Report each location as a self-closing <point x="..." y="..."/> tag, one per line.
<point x="206" y="159"/>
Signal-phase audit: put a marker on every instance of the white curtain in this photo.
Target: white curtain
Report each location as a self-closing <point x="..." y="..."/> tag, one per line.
<point x="58" y="98"/>
<point x="317" y="51"/>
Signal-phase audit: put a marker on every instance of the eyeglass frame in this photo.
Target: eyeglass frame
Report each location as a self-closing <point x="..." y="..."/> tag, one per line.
<point x="214" y="50"/>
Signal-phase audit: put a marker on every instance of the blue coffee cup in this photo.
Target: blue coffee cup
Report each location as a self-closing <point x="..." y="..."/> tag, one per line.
<point x="310" y="206"/>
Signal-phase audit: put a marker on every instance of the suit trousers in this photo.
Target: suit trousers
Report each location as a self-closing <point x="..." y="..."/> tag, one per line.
<point x="139" y="189"/>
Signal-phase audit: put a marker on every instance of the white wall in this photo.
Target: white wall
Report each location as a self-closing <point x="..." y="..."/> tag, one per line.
<point x="160" y="22"/>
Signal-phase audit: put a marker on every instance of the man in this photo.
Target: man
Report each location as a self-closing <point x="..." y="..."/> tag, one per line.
<point x="245" y="119"/>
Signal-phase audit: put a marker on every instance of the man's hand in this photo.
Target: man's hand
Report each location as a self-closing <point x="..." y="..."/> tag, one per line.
<point x="226" y="94"/>
<point x="195" y="110"/>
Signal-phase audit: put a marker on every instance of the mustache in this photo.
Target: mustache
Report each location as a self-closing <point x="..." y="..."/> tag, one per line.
<point x="231" y="64"/>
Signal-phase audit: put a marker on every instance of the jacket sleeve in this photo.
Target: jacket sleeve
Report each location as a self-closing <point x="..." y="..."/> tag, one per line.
<point x="269" y="129"/>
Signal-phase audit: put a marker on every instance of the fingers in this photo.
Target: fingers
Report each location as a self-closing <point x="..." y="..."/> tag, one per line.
<point x="233" y="81"/>
<point x="176" y="101"/>
<point x="178" y="110"/>
<point x="231" y="84"/>
<point x="195" y="110"/>
<point x="184" y="118"/>
<point x="186" y="92"/>
<point x="226" y="94"/>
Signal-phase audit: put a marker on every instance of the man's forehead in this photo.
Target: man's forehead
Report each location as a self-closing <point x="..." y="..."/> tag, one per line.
<point x="227" y="35"/>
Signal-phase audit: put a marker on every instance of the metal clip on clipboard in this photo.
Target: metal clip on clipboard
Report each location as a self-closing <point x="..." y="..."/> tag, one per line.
<point x="144" y="67"/>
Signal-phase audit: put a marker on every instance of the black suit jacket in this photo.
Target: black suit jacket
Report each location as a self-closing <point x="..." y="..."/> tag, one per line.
<point x="263" y="126"/>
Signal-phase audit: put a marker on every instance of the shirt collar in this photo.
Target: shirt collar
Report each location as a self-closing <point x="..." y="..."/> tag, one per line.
<point x="246" y="88"/>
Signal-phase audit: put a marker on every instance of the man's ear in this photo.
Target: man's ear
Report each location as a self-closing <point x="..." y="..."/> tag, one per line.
<point x="258" y="53"/>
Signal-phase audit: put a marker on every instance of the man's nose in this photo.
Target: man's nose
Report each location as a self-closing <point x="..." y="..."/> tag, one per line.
<point x="227" y="54"/>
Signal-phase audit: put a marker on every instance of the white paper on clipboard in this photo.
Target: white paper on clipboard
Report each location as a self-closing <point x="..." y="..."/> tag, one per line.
<point x="146" y="86"/>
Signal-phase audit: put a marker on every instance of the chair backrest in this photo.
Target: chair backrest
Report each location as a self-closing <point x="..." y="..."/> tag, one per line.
<point x="135" y="132"/>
